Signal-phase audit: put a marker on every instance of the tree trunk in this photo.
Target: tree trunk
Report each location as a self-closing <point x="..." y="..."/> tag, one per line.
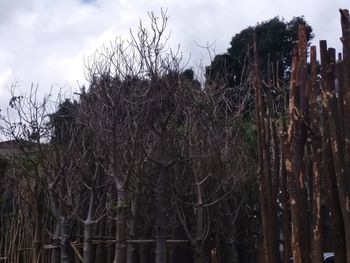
<point x="111" y="248"/>
<point x="101" y="250"/>
<point x="88" y="248"/>
<point x="295" y="144"/>
<point x="316" y="251"/>
<point x="301" y="139"/>
<point x="132" y="252"/>
<point x="338" y="148"/>
<point x="337" y="223"/>
<point x="180" y="251"/>
<point x="38" y="232"/>
<point x="229" y="253"/>
<point x="120" y="249"/>
<point x="229" y="223"/>
<point x="292" y="172"/>
<point x="328" y="166"/>
<point x="161" y="249"/>
<point x="56" y="252"/>
<point x="266" y="189"/>
<point x="198" y="256"/>
<point x="145" y="254"/>
<point x="66" y="249"/>
<point x="285" y="203"/>
<point x="88" y="229"/>
<point x="343" y="149"/>
<point x="199" y="227"/>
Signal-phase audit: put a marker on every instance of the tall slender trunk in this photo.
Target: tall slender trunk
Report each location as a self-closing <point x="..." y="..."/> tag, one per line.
<point x="198" y="254"/>
<point x="101" y="250"/>
<point x="300" y="163"/>
<point x="272" y="155"/>
<point x="145" y="254"/>
<point x="56" y="252"/>
<point x="38" y="232"/>
<point x="88" y="228"/>
<point x="37" y="241"/>
<point x="265" y="178"/>
<point x="338" y="148"/>
<point x="120" y="249"/>
<point x="88" y="249"/>
<point x="285" y="203"/>
<point x="260" y="128"/>
<point x="343" y="149"/>
<point x="295" y="154"/>
<point x="229" y="241"/>
<point x="161" y="249"/>
<point x="328" y="166"/>
<point x="132" y="248"/>
<point x="338" y="233"/>
<point x="292" y="180"/>
<point x="199" y="228"/>
<point x="111" y="248"/>
<point x="180" y="251"/>
<point x="316" y="251"/>
<point x="65" y="233"/>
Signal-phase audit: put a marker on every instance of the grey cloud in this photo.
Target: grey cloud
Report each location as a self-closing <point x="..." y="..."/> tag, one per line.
<point x="10" y="8"/>
<point x="45" y="41"/>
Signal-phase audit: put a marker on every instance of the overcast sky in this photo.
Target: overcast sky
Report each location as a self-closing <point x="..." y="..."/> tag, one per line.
<point x="46" y="41"/>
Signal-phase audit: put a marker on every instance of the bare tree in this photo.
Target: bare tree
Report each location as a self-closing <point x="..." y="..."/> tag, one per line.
<point x="29" y="124"/>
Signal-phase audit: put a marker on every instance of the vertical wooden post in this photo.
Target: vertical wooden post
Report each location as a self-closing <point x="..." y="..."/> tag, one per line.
<point x="316" y="242"/>
<point x="267" y="198"/>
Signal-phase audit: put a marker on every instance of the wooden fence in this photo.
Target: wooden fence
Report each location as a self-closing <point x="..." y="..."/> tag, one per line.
<point x="304" y="154"/>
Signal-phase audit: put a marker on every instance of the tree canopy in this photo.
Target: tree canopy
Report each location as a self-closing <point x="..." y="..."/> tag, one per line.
<point x="275" y="36"/>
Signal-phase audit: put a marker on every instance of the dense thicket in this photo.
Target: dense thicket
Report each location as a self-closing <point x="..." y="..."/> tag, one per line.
<point x="149" y="165"/>
<point x="140" y="168"/>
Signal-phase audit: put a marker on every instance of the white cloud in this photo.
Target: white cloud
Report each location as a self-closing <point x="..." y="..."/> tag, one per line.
<point x="5" y="76"/>
<point x="45" y="41"/>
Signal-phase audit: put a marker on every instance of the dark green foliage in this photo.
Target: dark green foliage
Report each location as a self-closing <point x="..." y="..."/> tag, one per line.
<point x="62" y="121"/>
<point x="274" y="36"/>
<point x="188" y="74"/>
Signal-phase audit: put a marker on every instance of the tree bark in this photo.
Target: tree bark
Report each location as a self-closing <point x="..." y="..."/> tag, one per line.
<point x="328" y="166"/>
<point x="285" y="203"/>
<point x="88" y="230"/>
<point x="145" y="254"/>
<point x="102" y="250"/>
<point x="198" y="253"/>
<point x="56" y="254"/>
<point x="88" y="253"/>
<point x="120" y="249"/>
<point x="343" y="149"/>
<point x="38" y="231"/>
<point x="267" y="199"/>
<point x="292" y="181"/>
<point x="230" y="254"/>
<point x="301" y="139"/>
<point x="111" y="248"/>
<point x="295" y="154"/>
<point x="66" y="249"/>
<point x="132" y="253"/>
<point x="338" y="147"/>
<point x="316" y="251"/>
<point x="199" y="228"/>
<point x="161" y="249"/>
